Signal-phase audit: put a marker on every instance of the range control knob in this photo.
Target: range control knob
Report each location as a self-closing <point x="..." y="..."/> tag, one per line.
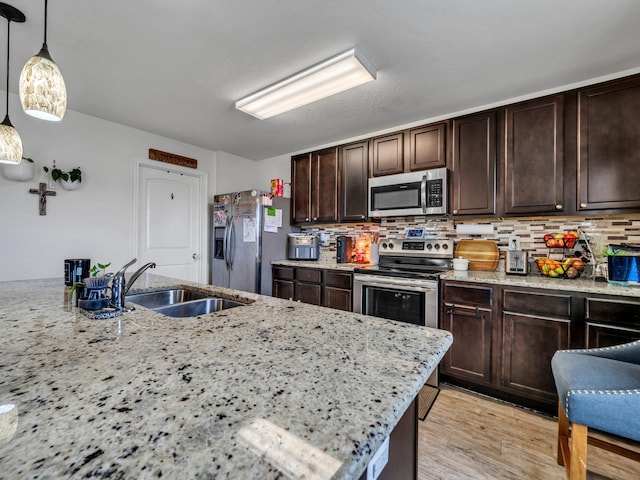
<point x="445" y="246"/>
<point x="384" y="245"/>
<point x="437" y="246"/>
<point x="429" y="246"/>
<point x="391" y="246"/>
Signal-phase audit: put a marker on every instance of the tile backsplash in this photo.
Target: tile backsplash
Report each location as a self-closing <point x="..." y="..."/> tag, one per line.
<point x="599" y="230"/>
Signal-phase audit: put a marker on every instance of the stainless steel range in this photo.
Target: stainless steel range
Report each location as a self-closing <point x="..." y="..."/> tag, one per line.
<point x="404" y="285"/>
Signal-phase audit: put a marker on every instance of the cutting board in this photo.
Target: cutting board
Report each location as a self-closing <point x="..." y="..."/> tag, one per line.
<point x="482" y="254"/>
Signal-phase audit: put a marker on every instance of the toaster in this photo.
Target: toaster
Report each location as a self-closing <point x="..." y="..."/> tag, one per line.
<point x="517" y="262"/>
<point x="303" y="246"/>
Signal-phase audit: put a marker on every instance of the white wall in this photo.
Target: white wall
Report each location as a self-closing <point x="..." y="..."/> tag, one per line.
<point x="234" y="174"/>
<point x="94" y="221"/>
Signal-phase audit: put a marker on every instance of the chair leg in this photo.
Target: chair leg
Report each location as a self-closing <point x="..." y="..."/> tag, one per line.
<point x="578" y="466"/>
<point x="563" y="434"/>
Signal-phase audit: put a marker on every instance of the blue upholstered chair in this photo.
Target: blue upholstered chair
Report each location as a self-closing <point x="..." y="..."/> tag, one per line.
<point x="598" y="388"/>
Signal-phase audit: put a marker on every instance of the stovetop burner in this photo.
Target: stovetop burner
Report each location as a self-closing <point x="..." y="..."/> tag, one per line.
<point x="410" y="258"/>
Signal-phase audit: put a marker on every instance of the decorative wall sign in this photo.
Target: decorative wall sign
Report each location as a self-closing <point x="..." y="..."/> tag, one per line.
<point x="172" y="158"/>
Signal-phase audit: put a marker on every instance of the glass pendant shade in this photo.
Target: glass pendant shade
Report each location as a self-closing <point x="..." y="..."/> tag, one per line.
<point x="42" y="90"/>
<point x="10" y="143"/>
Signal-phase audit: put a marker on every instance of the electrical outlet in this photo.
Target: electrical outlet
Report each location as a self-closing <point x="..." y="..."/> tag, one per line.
<point x="378" y="461"/>
<point x="514" y="242"/>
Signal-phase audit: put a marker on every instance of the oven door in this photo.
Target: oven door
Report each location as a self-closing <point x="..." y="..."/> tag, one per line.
<point x="406" y="300"/>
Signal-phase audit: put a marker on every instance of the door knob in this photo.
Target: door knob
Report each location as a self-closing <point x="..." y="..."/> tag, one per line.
<point x="195" y="256"/>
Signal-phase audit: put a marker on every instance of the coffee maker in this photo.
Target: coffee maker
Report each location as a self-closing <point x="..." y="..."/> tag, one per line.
<point x="344" y="249"/>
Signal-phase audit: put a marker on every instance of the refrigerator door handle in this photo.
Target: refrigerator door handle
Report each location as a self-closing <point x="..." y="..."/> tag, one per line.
<point x="225" y="244"/>
<point x="232" y="243"/>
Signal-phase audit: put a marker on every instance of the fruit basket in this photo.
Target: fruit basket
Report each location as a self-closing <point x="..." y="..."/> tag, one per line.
<point x="567" y="268"/>
<point x="561" y="240"/>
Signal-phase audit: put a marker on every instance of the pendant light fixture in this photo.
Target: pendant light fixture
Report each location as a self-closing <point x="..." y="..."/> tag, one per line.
<point x="10" y="141"/>
<point x="42" y="91"/>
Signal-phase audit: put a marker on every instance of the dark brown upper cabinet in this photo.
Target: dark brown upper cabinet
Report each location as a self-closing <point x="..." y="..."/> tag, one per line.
<point x="354" y="168"/>
<point x="428" y="147"/>
<point x="534" y="156"/>
<point x="474" y="165"/>
<point x="411" y="150"/>
<point x="609" y="146"/>
<point x="314" y="187"/>
<point x="387" y="154"/>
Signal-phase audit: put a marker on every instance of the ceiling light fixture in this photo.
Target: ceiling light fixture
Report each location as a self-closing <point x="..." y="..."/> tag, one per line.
<point x="334" y="75"/>
<point x="42" y="90"/>
<point x="10" y="141"/>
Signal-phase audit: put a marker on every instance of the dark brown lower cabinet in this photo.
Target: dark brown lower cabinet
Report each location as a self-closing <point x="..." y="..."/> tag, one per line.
<point x="329" y="288"/>
<point x="611" y="321"/>
<point x="535" y="324"/>
<point x="282" y="283"/>
<point x="403" y="448"/>
<point x="504" y="347"/>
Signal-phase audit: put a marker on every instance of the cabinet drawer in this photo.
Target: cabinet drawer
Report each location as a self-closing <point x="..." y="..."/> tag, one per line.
<point x="337" y="279"/>
<point x="283" y="273"/>
<point x="309" y="275"/>
<point x="534" y="303"/>
<point x="468" y="295"/>
<point x="612" y="311"/>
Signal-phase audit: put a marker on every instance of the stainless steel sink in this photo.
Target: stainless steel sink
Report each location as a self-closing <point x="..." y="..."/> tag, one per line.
<point x="163" y="298"/>
<point x="198" y="307"/>
<point x="181" y="302"/>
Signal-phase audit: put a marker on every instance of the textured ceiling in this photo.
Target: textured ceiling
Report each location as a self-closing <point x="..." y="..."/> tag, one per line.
<point x="176" y="68"/>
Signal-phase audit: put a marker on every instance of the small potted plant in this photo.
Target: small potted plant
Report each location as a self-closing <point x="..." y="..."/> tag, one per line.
<point x="21" y="172"/>
<point x="68" y="180"/>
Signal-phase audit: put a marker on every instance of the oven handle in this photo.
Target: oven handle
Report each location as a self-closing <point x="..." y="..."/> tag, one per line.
<point x="392" y="282"/>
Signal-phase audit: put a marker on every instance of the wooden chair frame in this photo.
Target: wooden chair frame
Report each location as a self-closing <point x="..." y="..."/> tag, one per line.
<point x="574" y="456"/>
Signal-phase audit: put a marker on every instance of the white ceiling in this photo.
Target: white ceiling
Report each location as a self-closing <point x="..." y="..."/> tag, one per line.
<point x="175" y="68"/>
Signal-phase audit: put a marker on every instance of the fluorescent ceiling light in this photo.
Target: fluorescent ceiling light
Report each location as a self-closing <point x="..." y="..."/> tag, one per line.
<point x="336" y="74"/>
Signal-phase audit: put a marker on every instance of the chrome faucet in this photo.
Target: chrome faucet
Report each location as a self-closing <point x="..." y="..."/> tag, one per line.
<point x="119" y="287"/>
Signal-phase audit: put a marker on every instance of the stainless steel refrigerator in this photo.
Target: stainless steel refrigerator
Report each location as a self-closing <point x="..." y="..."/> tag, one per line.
<point x="241" y="251"/>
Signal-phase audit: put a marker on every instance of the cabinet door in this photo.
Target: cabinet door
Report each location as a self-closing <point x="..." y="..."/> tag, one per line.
<point x="301" y="188"/>
<point x="338" y="298"/>
<point x="387" y="154"/>
<point x="611" y="321"/>
<point x="469" y="358"/>
<point x="609" y="146"/>
<point x="528" y="343"/>
<point x="283" y="289"/>
<point x="534" y="156"/>
<point x="324" y="185"/>
<point x="308" y="293"/>
<point x="428" y="147"/>
<point x="474" y="165"/>
<point x="354" y="168"/>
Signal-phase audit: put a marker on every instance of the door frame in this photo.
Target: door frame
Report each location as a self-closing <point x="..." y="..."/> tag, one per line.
<point x="203" y="182"/>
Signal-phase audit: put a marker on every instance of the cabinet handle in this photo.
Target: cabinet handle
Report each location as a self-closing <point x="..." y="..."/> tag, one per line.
<point x="315" y="218"/>
<point x="362" y="216"/>
<point x="477" y="314"/>
<point x="455" y="212"/>
<point x="306" y="219"/>
<point x="558" y="207"/>
<point x="583" y="205"/>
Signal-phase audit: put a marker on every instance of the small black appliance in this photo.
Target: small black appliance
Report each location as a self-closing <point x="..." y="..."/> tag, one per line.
<point x="76" y="270"/>
<point x="344" y="249"/>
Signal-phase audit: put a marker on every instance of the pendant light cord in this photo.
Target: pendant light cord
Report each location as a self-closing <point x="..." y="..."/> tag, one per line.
<point x="8" y="39"/>
<point x="45" y="22"/>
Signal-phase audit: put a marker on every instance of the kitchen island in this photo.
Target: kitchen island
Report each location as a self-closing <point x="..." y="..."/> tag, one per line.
<point x="272" y="389"/>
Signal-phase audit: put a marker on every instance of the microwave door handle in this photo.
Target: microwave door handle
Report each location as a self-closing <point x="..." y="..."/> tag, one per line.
<point x="423" y="194"/>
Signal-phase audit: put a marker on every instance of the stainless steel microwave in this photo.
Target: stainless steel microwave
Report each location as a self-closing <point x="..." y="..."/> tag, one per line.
<point x="415" y="193"/>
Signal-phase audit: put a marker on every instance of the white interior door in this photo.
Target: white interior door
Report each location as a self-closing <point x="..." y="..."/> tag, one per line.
<point x="170" y="222"/>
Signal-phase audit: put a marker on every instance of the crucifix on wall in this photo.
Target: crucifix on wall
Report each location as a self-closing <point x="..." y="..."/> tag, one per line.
<point x="44" y="193"/>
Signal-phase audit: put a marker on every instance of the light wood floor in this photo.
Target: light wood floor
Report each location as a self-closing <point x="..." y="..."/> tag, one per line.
<point x="468" y="436"/>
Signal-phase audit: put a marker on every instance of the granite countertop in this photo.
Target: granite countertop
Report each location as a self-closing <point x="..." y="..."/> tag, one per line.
<point x="328" y="264"/>
<point x="534" y="280"/>
<point x="269" y="390"/>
